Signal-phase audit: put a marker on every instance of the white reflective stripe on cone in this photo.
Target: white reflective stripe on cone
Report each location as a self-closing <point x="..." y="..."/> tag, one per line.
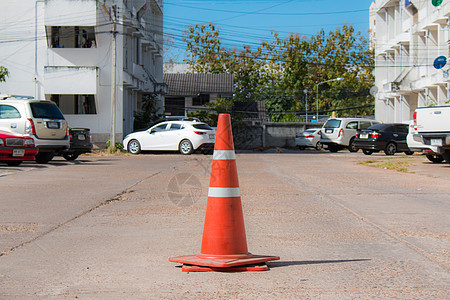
<point x="223" y="192"/>
<point x="224" y="154"/>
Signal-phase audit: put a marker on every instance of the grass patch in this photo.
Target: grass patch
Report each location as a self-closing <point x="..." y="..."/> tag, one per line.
<point x="389" y="164"/>
<point x="107" y="152"/>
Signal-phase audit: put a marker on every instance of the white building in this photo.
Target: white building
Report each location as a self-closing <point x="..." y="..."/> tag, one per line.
<point x="409" y="36"/>
<point x="63" y="50"/>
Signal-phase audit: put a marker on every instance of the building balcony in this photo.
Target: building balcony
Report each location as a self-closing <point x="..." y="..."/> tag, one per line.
<point x="433" y="16"/>
<point x="73" y="57"/>
<point x="385" y="3"/>
<point x="70" y="80"/>
<point x="143" y="80"/>
<point x="433" y="80"/>
<point x="84" y="10"/>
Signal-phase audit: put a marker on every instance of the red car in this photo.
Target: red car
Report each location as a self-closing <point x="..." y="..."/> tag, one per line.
<point x="16" y="148"/>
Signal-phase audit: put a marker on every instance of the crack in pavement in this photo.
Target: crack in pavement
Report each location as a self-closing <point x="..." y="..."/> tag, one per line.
<point x="390" y="233"/>
<point x="118" y="197"/>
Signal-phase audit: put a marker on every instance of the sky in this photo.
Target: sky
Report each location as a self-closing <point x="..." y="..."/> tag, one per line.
<point x="249" y="22"/>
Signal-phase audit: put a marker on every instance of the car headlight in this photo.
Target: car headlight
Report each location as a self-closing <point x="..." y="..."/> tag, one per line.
<point x="2" y="142"/>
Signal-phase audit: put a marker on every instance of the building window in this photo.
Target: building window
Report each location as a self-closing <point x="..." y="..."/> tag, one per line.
<point x="75" y="104"/>
<point x="71" y="37"/>
<point x="200" y="100"/>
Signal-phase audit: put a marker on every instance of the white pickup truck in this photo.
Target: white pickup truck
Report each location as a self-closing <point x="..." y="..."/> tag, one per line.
<point x="433" y="129"/>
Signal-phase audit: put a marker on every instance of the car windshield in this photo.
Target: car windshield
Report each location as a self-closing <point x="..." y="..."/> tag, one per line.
<point x="202" y="126"/>
<point x="46" y="110"/>
<point x="310" y="131"/>
<point x="332" y="124"/>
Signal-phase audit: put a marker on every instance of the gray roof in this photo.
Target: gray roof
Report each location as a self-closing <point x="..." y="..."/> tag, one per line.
<point x="193" y="84"/>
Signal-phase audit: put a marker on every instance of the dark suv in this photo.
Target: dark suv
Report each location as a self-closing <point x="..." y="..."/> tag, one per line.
<point x="80" y="142"/>
<point x="390" y="138"/>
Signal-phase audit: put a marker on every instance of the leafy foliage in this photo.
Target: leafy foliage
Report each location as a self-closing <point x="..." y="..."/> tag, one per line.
<point x="3" y="73"/>
<point x="279" y="70"/>
<point x="211" y="115"/>
<point x="149" y="114"/>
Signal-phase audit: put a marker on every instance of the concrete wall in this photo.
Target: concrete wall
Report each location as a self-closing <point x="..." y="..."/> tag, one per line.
<point x="269" y="135"/>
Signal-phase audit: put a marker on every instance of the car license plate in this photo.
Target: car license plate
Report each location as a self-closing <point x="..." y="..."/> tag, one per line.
<point x="325" y="146"/>
<point x="328" y="130"/>
<point x="81" y="137"/>
<point x="436" y="142"/>
<point x="18" y="152"/>
<point x="212" y="136"/>
<point x="53" y="125"/>
<point x="364" y="136"/>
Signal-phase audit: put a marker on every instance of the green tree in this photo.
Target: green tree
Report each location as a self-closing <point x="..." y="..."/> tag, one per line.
<point x="148" y="113"/>
<point x="3" y="73"/>
<point x="342" y="53"/>
<point x="279" y="70"/>
<point x="207" y="55"/>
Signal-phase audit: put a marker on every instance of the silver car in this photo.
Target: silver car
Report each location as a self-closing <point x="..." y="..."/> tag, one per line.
<point x="339" y="133"/>
<point x="310" y="138"/>
<point x="40" y="119"/>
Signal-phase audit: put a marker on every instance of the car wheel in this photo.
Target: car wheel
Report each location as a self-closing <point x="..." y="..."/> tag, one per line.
<point x="71" y="156"/>
<point x="301" y="147"/>
<point x="319" y="146"/>
<point x="367" y="152"/>
<point x="351" y="146"/>
<point x="44" y="157"/>
<point x="446" y="156"/>
<point x="185" y="147"/>
<point x="14" y="163"/>
<point x="134" y="147"/>
<point x="435" y="158"/>
<point x="409" y="152"/>
<point x="390" y="149"/>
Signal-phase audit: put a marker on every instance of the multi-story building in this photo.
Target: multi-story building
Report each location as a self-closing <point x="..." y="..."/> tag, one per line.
<point x="85" y="55"/>
<point x="409" y="36"/>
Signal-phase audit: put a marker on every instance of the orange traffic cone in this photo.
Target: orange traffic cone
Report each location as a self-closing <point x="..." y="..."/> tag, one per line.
<point x="224" y="243"/>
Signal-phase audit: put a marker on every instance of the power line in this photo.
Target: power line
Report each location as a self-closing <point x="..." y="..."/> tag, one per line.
<point x="271" y="13"/>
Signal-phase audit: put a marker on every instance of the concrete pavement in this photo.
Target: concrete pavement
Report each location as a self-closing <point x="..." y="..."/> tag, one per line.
<point x="104" y="228"/>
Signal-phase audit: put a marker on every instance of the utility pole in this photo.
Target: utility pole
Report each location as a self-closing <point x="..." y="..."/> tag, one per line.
<point x="306" y="103"/>
<point x="112" y="138"/>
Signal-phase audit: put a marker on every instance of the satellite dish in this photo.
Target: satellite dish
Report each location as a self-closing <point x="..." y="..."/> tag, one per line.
<point x="440" y="62"/>
<point x="373" y="91"/>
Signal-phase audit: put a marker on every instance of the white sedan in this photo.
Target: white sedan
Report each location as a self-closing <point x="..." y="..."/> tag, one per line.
<point x="308" y="138"/>
<point x="183" y="136"/>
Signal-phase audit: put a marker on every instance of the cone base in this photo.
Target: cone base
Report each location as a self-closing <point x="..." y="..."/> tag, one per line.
<point x="222" y="262"/>
<point x="251" y="268"/>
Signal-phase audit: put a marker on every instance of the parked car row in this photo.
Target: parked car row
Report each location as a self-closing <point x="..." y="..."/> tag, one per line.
<point x="368" y="135"/>
<point x="40" y="122"/>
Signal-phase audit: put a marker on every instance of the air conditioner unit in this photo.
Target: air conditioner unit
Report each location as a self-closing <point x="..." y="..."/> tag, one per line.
<point x="391" y="87"/>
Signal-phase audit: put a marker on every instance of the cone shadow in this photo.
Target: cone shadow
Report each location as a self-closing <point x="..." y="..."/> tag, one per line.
<point x="278" y="264"/>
